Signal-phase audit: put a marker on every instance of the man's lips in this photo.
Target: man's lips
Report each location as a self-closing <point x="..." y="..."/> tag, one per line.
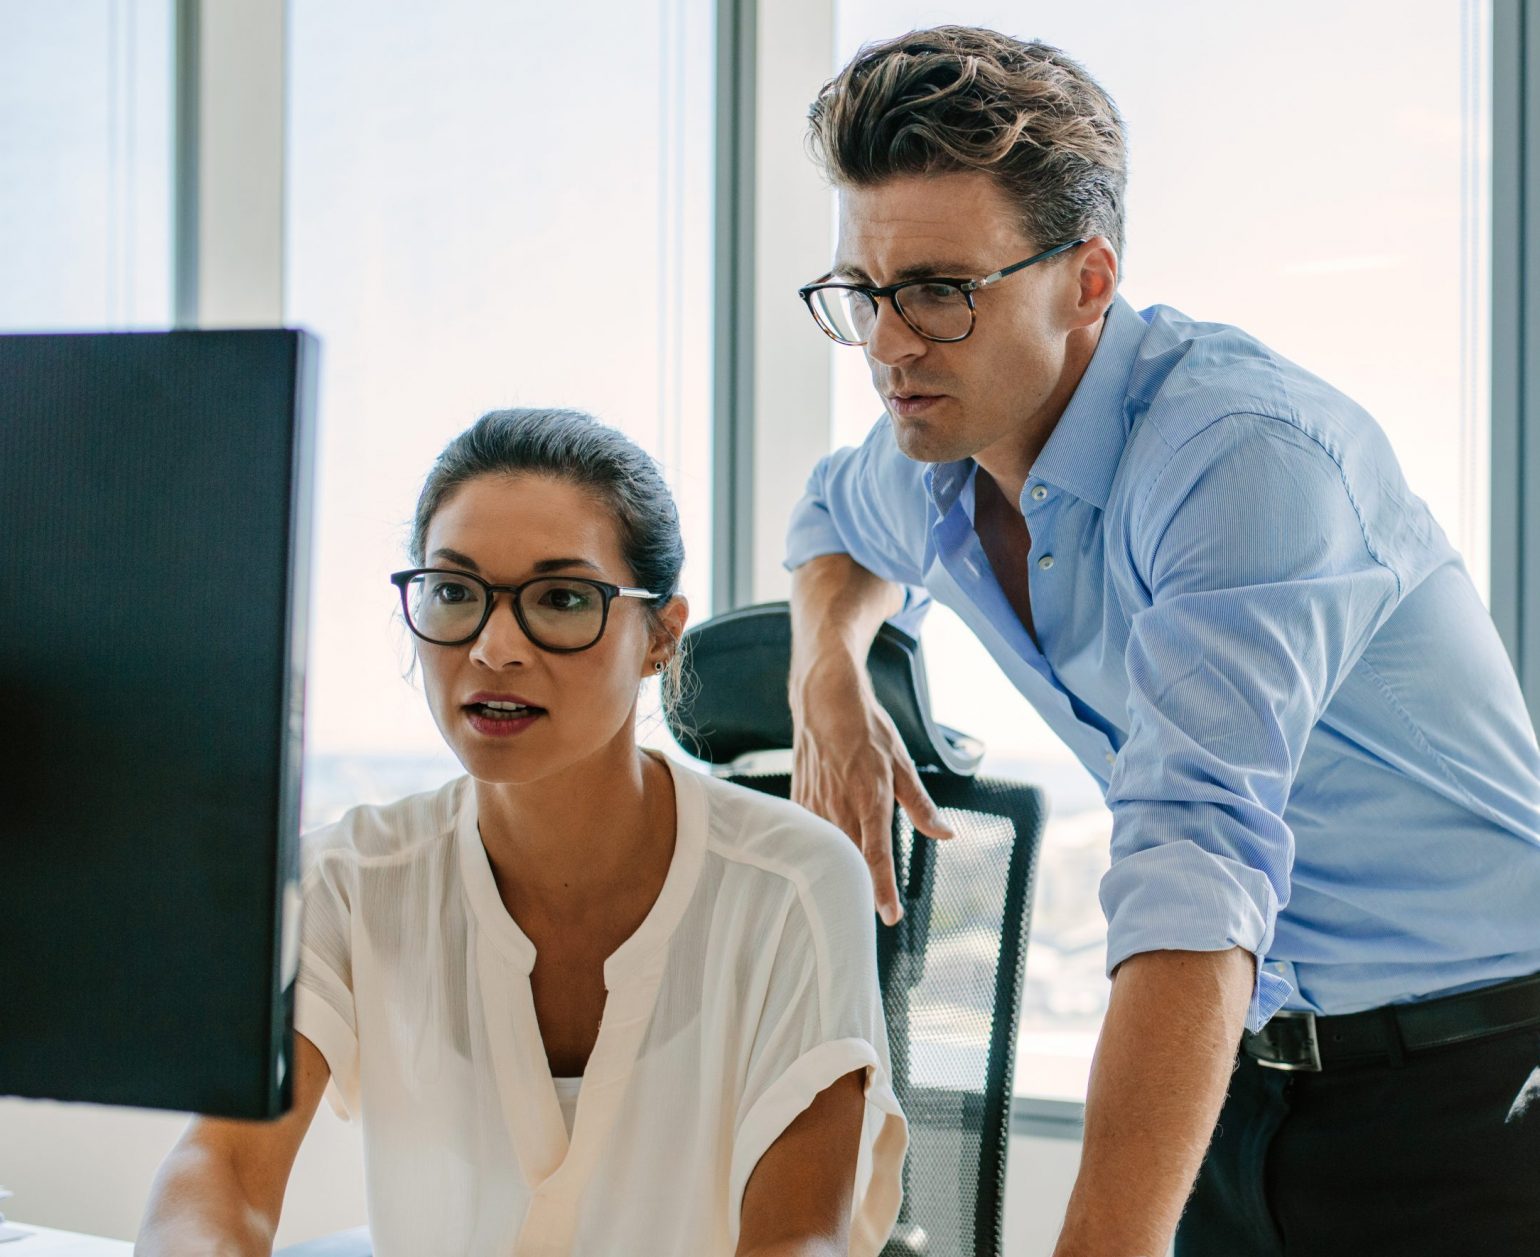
<point x="912" y="403"/>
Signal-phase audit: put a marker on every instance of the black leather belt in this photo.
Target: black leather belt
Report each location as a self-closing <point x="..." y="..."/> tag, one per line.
<point x="1304" y="1041"/>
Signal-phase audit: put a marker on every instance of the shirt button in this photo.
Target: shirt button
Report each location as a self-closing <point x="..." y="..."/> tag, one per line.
<point x="1039" y="493"/>
<point x="1045" y="562"/>
<point x="1111" y="758"/>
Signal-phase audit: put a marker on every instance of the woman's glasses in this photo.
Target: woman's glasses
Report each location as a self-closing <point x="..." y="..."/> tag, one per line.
<point x="561" y="614"/>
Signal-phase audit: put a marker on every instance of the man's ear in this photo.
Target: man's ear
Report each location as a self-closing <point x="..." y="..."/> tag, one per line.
<point x="1096" y="273"/>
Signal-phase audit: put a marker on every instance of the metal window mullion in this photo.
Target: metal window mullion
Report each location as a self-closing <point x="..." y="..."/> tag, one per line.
<point x="1528" y="382"/>
<point x="229" y="153"/>
<point x="732" y="430"/>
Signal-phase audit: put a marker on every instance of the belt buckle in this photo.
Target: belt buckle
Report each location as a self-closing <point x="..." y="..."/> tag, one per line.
<point x="1292" y="1036"/>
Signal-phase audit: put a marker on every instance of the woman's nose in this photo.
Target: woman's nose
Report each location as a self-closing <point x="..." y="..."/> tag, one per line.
<point x="502" y="640"/>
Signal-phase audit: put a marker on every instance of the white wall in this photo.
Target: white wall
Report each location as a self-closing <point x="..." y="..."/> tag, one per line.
<point x="81" y="1167"/>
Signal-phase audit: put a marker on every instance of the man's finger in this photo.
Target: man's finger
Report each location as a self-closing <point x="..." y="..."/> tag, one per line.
<point x="877" y="847"/>
<point x="921" y="809"/>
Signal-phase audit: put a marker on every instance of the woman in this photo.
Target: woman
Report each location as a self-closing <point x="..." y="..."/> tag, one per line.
<point x="584" y="1001"/>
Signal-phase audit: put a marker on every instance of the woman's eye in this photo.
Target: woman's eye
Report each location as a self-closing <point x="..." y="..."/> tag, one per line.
<point x="451" y="592"/>
<point x="565" y="598"/>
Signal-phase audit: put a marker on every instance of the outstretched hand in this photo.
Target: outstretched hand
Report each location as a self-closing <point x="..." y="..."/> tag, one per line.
<point x="849" y="765"/>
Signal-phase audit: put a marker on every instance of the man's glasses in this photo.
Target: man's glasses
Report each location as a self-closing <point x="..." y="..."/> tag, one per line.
<point x="561" y="614"/>
<point x="938" y="309"/>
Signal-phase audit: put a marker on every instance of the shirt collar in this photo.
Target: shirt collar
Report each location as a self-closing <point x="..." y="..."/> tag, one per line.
<point x="1086" y="445"/>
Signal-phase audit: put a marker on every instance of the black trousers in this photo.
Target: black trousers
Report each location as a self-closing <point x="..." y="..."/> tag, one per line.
<point x="1436" y="1156"/>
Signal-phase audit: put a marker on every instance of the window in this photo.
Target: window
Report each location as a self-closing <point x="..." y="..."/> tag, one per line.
<point x="85" y="165"/>
<point x="488" y="205"/>
<point x="1302" y="175"/>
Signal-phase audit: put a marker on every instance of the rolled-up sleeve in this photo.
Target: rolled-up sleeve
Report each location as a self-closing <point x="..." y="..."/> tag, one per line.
<point x="869" y="502"/>
<point x="1261" y="591"/>
<point x="323" y="999"/>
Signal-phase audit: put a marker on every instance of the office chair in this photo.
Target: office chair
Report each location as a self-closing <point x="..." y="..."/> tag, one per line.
<point x="951" y="969"/>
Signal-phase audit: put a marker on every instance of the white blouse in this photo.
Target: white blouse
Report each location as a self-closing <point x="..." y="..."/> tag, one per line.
<point x="749" y="988"/>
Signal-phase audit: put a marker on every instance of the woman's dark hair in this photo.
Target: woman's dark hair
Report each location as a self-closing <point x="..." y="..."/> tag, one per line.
<point x="571" y="446"/>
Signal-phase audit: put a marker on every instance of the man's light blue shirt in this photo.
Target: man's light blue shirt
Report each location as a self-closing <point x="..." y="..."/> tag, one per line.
<point x="1263" y="647"/>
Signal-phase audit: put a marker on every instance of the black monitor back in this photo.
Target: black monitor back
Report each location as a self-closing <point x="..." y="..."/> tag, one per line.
<point x="154" y="520"/>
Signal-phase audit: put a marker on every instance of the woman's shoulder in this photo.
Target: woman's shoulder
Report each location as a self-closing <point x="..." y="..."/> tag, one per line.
<point x="758" y="834"/>
<point x="387" y="833"/>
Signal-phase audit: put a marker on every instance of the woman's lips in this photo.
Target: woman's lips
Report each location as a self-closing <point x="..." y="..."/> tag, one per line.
<point x="500" y="726"/>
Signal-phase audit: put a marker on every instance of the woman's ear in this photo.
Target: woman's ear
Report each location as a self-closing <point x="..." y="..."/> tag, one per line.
<point x="672" y="617"/>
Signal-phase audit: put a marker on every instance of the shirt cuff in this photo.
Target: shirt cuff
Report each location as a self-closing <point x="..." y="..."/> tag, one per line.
<point x="1179" y="897"/>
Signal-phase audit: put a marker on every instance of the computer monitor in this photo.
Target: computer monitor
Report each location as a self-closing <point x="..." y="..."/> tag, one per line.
<point x="154" y="525"/>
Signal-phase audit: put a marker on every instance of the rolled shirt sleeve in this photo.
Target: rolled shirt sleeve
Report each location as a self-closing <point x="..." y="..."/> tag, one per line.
<point x="821" y="1018"/>
<point x="1261" y="591"/>
<point x="871" y="503"/>
<point x="324" y="1010"/>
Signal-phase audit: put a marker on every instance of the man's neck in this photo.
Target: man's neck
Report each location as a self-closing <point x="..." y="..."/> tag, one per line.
<point x="1009" y="463"/>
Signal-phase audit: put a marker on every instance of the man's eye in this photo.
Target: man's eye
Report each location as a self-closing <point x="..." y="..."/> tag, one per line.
<point x="930" y="294"/>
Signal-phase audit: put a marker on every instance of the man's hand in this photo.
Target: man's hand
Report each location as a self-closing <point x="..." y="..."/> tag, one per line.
<point x="848" y="763"/>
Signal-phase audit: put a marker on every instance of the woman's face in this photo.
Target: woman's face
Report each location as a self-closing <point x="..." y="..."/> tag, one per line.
<point x="507" y="530"/>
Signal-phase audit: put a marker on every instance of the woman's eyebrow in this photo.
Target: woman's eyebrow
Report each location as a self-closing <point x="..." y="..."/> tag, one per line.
<point x="544" y="565"/>
<point x="552" y="565"/>
<point x="458" y="559"/>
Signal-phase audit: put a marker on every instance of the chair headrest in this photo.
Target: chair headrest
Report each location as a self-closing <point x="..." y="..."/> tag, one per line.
<point x="738" y="706"/>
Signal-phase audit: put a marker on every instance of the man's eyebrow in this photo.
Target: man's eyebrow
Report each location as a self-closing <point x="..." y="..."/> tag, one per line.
<point x="929" y="269"/>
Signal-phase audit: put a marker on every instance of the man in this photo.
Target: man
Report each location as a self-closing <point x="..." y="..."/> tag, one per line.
<point x="1204" y="568"/>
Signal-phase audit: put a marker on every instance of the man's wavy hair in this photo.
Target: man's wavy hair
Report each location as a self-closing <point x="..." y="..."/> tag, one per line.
<point x="962" y="98"/>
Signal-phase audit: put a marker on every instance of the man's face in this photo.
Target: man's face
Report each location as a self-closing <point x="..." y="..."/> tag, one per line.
<point x="1002" y="388"/>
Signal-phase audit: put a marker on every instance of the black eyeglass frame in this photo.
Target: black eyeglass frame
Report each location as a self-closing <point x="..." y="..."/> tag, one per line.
<point x="965" y="286"/>
<point x="607" y="592"/>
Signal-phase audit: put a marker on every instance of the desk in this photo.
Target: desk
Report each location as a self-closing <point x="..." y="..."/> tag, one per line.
<point x="43" y="1241"/>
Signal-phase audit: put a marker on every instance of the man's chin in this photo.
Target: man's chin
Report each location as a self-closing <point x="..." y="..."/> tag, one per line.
<point x="921" y="441"/>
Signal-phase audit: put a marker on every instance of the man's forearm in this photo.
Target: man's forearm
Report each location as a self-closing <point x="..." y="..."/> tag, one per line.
<point x="837" y="603"/>
<point x="1162" y="1067"/>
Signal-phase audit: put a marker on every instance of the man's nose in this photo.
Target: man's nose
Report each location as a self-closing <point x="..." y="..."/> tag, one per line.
<point x="892" y="339"/>
<point x="502" y="641"/>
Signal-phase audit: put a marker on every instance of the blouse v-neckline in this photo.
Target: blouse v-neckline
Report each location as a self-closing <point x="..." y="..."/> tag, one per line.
<point x="554" y="1166"/>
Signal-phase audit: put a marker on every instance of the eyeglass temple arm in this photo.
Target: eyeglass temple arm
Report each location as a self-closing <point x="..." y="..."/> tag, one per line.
<point x="975" y="285"/>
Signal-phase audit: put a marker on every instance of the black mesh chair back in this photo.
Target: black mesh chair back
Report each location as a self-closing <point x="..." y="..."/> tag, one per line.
<point x="951" y="969"/>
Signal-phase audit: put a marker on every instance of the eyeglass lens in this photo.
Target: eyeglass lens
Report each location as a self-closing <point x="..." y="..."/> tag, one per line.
<point x="559" y="613"/>
<point x="936" y="310"/>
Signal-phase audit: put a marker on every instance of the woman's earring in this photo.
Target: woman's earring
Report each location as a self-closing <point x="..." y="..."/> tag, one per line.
<point x="658" y="667"/>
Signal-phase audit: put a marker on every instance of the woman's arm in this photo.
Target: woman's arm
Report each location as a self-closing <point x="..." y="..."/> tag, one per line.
<point x="220" y="1190"/>
<point x="797" y="1201"/>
